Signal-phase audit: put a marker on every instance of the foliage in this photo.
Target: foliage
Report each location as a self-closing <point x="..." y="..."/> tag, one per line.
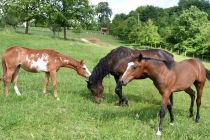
<point x="189" y="33"/>
<point x="69" y="13"/>
<point x="104" y="14"/>
<point x="146" y="34"/>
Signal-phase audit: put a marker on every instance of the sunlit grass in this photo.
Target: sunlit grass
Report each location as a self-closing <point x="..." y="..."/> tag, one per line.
<point x="75" y="116"/>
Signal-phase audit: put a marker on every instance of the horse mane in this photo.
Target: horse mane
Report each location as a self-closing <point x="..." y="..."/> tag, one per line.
<point x="102" y="69"/>
<point x="169" y="63"/>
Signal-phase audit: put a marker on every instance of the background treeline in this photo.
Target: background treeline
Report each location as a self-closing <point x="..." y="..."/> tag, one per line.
<point x="55" y="14"/>
<point x="184" y="28"/>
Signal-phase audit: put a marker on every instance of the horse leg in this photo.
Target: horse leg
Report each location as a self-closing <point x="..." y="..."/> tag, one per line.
<point x="169" y="106"/>
<point x="118" y="91"/>
<point x="7" y="76"/>
<point x="199" y="88"/>
<point x="165" y="99"/>
<point x="53" y="78"/>
<point x="14" y="81"/>
<point x="191" y="92"/>
<point x="46" y="82"/>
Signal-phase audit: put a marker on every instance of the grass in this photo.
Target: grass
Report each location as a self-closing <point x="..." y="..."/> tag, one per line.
<point x="75" y="116"/>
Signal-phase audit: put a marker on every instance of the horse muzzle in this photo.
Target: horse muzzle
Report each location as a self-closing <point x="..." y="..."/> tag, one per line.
<point x="97" y="100"/>
<point x="123" y="82"/>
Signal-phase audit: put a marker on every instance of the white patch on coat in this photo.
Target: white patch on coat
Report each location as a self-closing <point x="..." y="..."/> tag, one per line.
<point x="86" y="69"/>
<point x="17" y="90"/>
<point x="128" y="67"/>
<point x="66" y="61"/>
<point x="41" y="63"/>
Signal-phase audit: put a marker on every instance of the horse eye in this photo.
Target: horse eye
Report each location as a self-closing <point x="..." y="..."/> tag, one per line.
<point x="133" y="67"/>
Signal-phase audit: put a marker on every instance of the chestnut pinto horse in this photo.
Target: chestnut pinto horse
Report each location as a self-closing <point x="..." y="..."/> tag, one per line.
<point x="115" y="63"/>
<point x="46" y="60"/>
<point x="179" y="77"/>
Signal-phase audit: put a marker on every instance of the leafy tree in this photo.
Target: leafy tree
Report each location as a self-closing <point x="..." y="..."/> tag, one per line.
<point x="116" y="23"/>
<point x="146" y="34"/>
<point x="189" y="33"/>
<point x="104" y="14"/>
<point x="17" y="11"/>
<point x="201" y="4"/>
<point x="69" y="13"/>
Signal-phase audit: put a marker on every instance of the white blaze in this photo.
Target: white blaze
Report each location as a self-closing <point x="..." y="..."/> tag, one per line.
<point x="128" y="67"/>
<point x="41" y="63"/>
<point x="86" y="69"/>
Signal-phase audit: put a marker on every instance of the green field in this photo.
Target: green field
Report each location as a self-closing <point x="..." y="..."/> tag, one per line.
<point x="75" y="116"/>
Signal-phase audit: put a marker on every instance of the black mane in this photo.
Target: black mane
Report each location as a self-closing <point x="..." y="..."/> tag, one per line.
<point x="103" y="67"/>
<point x="169" y="63"/>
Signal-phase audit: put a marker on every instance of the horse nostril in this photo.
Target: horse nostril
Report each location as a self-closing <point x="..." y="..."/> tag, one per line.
<point x="121" y="82"/>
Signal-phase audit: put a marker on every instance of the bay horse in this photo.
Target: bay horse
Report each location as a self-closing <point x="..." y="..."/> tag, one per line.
<point x="31" y="60"/>
<point x="115" y="63"/>
<point x="167" y="79"/>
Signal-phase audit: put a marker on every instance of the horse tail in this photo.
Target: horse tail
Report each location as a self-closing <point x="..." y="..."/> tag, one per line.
<point x="208" y="74"/>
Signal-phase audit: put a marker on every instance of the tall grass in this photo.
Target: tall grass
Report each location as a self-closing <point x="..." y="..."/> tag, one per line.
<point x="75" y="116"/>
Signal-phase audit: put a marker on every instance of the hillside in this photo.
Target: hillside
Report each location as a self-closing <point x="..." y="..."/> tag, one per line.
<point x="75" y="116"/>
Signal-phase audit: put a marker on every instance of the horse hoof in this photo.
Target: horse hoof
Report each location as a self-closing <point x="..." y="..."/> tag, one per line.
<point x="158" y="133"/>
<point x="171" y="124"/>
<point x="121" y="103"/>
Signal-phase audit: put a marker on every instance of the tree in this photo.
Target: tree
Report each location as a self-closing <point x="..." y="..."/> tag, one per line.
<point x="69" y="13"/>
<point x="116" y="23"/>
<point x="189" y="33"/>
<point x="203" y="5"/>
<point x="146" y="34"/>
<point x="17" y="11"/>
<point x="104" y="14"/>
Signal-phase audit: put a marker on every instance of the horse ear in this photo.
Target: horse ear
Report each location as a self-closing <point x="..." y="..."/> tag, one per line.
<point x="140" y="57"/>
<point x="82" y="62"/>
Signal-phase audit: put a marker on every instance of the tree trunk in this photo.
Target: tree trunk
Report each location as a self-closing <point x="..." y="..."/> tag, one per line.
<point x="64" y="31"/>
<point x="27" y="24"/>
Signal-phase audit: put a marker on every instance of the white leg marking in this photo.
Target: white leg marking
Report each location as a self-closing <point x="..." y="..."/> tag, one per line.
<point x="171" y="124"/>
<point x="17" y="90"/>
<point x="158" y="133"/>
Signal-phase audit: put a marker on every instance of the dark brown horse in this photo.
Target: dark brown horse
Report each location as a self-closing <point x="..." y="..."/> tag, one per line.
<point x="167" y="79"/>
<point x="115" y="63"/>
<point x="48" y="61"/>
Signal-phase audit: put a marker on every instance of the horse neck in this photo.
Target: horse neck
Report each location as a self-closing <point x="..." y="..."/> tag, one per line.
<point x="68" y="62"/>
<point x="154" y="71"/>
<point x="98" y="74"/>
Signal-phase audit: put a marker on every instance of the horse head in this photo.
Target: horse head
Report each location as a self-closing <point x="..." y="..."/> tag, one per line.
<point x="134" y="70"/>
<point x="96" y="90"/>
<point x="83" y="70"/>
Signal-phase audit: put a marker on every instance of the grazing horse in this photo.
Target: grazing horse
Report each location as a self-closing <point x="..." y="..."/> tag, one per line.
<point x="46" y="60"/>
<point x="115" y="63"/>
<point x="167" y="79"/>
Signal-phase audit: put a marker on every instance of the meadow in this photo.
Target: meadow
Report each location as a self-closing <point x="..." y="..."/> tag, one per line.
<point x="37" y="116"/>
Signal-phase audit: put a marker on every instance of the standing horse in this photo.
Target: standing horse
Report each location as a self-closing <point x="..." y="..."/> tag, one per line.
<point x="48" y="61"/>
<point x="115" y="63"/>
<point x="167" y="79"/>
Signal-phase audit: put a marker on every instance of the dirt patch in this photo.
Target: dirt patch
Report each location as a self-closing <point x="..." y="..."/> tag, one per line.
<point x="94" y="41"/>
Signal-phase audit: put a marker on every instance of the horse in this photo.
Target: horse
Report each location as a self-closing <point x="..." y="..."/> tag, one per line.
<point x="115" y="63"/>
<point x="170" y="78"/>
<point x="31" y="60"/>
